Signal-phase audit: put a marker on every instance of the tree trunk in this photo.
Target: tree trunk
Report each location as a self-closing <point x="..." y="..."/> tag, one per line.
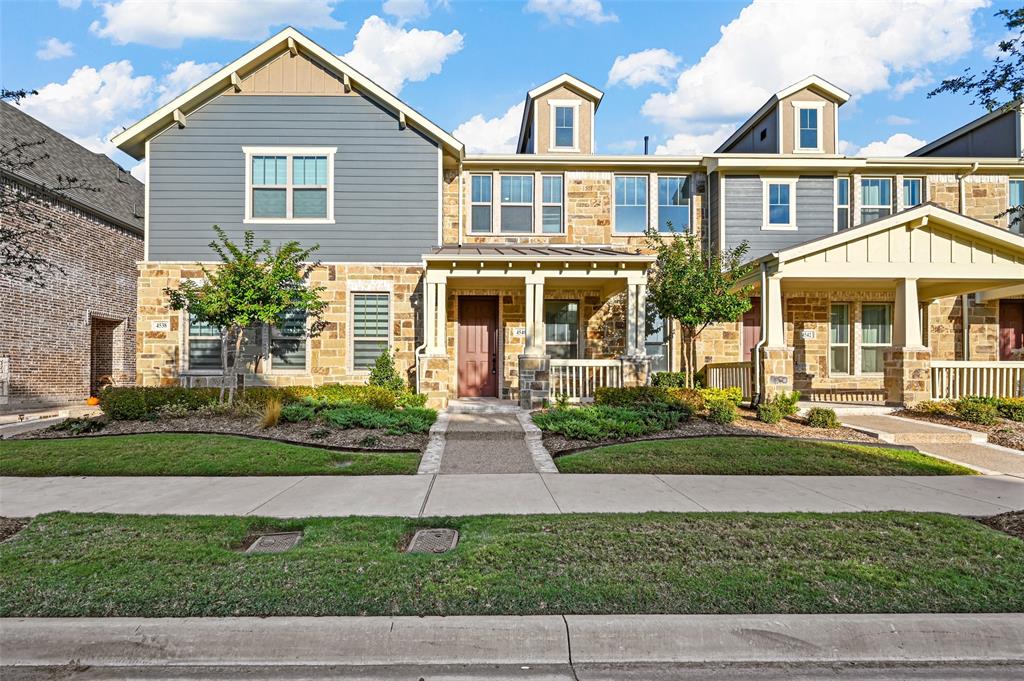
<point x="224" y="339"/>
<point x="239" y="335"/>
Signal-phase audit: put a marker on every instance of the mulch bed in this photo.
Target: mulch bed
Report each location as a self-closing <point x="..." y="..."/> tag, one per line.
<point x="746" y="423"/>
<point x="353" y="439"/>
<point x="1005" y="433"/>
<point x="12" y="526"/>
<point x="1011" y="522"/>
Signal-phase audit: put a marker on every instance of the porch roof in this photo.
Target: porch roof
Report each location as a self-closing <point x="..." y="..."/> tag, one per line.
<point x="525" y="252"/>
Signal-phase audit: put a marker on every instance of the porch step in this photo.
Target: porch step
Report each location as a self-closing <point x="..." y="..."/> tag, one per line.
<point x="482" y="405"/>
<point x="492" y="427"/>
<point x="903" y="431"/>
<point x="846" y="409"/>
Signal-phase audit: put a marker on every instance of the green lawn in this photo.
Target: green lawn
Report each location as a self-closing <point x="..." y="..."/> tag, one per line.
<point x="66" y="565"/>
<point x="178" y="454"/>
<point x="754" y="456"/>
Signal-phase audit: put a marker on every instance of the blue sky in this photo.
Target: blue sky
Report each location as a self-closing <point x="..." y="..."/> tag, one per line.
<point x="684" y="73"/>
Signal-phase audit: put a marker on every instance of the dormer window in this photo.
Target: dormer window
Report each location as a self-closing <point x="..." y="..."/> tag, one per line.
<point x="565" y="126"/>
<point x="808" y="119"/>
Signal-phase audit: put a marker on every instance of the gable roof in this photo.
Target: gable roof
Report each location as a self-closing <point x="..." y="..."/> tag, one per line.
<point x="572" y="82"/>
<point x="813" y="82"/>
<point x="968" y="127"/>
<point x="133" y="139"/>
<point x="118" y="197"/>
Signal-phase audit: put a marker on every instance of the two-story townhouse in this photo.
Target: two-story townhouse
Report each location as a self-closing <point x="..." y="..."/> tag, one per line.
<point x="523" y="276"/>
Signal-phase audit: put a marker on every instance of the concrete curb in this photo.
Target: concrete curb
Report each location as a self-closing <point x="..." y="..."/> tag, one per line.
<point x="573" y="639"/>
<point x="430" y="462"/>
<point x="535" y="443"/>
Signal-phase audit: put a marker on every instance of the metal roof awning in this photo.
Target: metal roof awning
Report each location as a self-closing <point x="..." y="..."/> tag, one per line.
<point x="516" y="252"/>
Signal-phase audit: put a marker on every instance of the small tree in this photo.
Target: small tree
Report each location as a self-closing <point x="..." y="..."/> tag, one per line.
<point x="252" y="285"/>
<point x="385" y="375"/>
<point x="696" y="290"/>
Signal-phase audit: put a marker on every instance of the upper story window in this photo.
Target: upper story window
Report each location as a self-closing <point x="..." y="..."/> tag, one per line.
<point x="551" y="205"/>
<point x="808" y="125"/>
<point x="289" y="184"/>
<point x="1016" y="206"/>
<point x="912" y="191"/>
<point x="673" y="204"/>
<point x="564" y="128"/>
<point x="631" y="203"/>
<point x="480" y="203"/>
<point x="842" y="203"/>
<point x="517" y="204"/>
<point x="875" y="198"/>
<point x="779" y="204"/>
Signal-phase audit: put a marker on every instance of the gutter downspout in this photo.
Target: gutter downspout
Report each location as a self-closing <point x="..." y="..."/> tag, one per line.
<point x="755" y="361"/>
<point x="965" y="322"/>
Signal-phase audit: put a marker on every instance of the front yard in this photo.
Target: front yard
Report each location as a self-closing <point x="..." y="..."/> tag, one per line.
<point x="65" y="565"/>
<point x="192" y="454"/>
<point x="754" y="456"/>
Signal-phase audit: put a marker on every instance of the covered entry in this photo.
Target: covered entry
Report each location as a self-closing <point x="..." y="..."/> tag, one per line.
<point x="478" y="346"/>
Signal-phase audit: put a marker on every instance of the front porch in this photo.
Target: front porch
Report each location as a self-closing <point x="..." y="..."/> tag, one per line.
<point x="529" y="324"/>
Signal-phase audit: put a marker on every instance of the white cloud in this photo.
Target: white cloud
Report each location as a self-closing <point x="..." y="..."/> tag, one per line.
<point x="141" y="171"/>
<point x="624" y="146"/>
<point x="405" y="11"/>
<point x="893" y="119"/>
<point x="899" y="144"/>
<point x="992" y="50"/>
<point x="861" y="52"/>
<point x="166" y="23"/>
<point x="569" y="11"/>
<point x="647" y="66"/>
<point x="908" y="85"/>
<point x="491" y="135"/>
<point x="182" y="77"/>
<point x="54" y="48"/>
<point x="70" y="4"/>
<point x="690" y="144"/>
<point x="393" y="56"/>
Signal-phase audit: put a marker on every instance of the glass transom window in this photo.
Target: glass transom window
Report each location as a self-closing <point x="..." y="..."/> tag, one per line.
<point x="517" y="204"/>
<point x="289" y="185"/>
<point x="631" y="203"/>
<point x="674" y="204"/>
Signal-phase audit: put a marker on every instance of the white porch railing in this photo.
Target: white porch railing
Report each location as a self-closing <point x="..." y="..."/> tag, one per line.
<point x="730" y="375"/>
<point x="951" y="380"/>
<point x="578" y="379"/>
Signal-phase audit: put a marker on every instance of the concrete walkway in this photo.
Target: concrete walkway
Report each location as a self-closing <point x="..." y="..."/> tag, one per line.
<point x="485" y="443"/>
<point x="510" y="493"/>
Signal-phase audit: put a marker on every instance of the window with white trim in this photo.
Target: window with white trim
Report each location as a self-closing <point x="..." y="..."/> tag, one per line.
<point x="517" y="204"/>
<point x="808" y="127"/>
<point x="1016" y="206"/>
<point x="371" y="328"/>
<point x="656" y="341"/>
<point x="551" y="204"/>
<point x="842" y="203"/>
<point x="288" y="342"/>
<point x="875" y="336"/>
<point x="779" y="204"/>
<point x="912" y="191"/>
<point x="562" y="329"/>
<point x="204" y="346"/>
<point x="875" y="198"/>
<point x="631" y="204"/>
<point x="564" y="127"/>
<point x="673" y="204"/>
<point x="289" y="185"/>
<point x="480" y="203"/>
<point x="839" y="339"/>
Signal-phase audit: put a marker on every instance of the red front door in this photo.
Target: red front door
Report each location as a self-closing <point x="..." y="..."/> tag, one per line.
<point x="478" y="347"/>
<point x="1011" y="328"/>
<point x="751" y="328"/>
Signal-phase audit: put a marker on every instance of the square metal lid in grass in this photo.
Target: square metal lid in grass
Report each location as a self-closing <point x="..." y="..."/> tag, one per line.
<point x="276" y="542"/>
<point x="433" y="540"/>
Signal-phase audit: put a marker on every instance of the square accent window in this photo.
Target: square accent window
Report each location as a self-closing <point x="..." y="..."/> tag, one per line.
<point x="371" y="328"/>
<point x="875" y="336"/>
<point x="551" y="204"/>
<point x="289" y="185"/>
<point x="875" y="198"/>
<point x="808" y="128"/>
<point x="912" y="195"/>
<point x="631" y="204"/>
<point x="842" y="203"/>
<point x="674" y="204"/>
<point x="562" y="329"/>
<point x="288" y="341"/>
<point x="779" y="209"/>
<point x="480" y="203"/>
<point x="517" y="204"/>
<point x="839" y="339"/>
<point x="565" y="127"/>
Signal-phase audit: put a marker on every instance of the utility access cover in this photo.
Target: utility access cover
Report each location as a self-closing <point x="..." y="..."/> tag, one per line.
<point x="278" y="542"/>
<point x="439" y="540"/>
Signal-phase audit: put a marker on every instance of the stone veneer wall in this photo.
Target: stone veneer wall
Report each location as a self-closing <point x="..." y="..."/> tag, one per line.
<point x="160" y="352"/>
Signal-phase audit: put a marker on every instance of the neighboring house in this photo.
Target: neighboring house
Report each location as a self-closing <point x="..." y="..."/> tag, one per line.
<point x="523" y="276"/>
<point x="63" y="340"/>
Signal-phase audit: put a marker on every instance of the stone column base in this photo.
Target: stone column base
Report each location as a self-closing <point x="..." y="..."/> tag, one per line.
<point x="635" y="370"/>
<point x="908" y="378"/>
<point x="776" y="372"/>
<point x="435" y="379"/>
<point x="534" y="381"/>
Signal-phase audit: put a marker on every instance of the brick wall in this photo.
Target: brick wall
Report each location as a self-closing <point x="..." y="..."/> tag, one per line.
<point x="46" y="332"/>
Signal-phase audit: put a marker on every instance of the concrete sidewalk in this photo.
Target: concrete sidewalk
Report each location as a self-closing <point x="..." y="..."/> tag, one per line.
<point x="514" y="493"/>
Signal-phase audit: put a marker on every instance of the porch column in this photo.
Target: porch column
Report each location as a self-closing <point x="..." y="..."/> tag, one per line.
<point x="534" y="365"/>
<point x="535" y="315"/>
<point x="435" y="366"/>
<point x="435" y="311"/>
<point x="776" y="357"/>
<point x="908" y="361"/>
<point x="636" y="366"/>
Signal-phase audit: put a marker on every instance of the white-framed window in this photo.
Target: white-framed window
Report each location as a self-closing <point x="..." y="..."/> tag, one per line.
<point x="631" y="204"/>
<point x="288" y="342"/>
<point x="913" y="191"/>
<point x="204" y="346"/>
<point x="564" y="125"/>
<point x="842" y="203"/>
<point x="1015" y="219"/>
<point x="875" y="198"/>
<point x="562" y="329"/>
<point x="289" y="184"/>
<point x="656" y="342"/>
<point x="517" y="204"/>
<point x="481" y="205"/>
<point x="551" y="213"/>
<point x="779" y="204"/>
<point x="673" y="204"/>
<point x="371" y="328"/>
<point x="875" y="336"/>
<point x="807" y="117"/>
<point x="839" y="339"/>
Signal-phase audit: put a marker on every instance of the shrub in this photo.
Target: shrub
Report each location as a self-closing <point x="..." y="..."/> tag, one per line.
<point x="394" y="422"/>
<point x="822" y="417"/>
<point x="936" y="407"/>
<point x="271" y="414"/>
<point x="1011" y="408"/>
<point x="734" y="395"/>
<point x="721" y="411"/>
<point x="411" y="399"/>
<point x="669" y="379"/>
<point x="691" y="398"/>
<point x="79" y="426"/>
<point x="173" y="411"/>
<point x="385" y="375"/>
<point x="297" y="412"/>
<point x="133" y="403"/>
<point x="769" y="413"/>
<point x="603" y="422"/>
<point x="635" y="396"/>
<point x="975" y="410"/>
<point x="787" y="402"/>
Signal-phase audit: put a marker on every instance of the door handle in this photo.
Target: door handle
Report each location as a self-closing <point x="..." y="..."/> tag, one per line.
<point x="494" y="362"/>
